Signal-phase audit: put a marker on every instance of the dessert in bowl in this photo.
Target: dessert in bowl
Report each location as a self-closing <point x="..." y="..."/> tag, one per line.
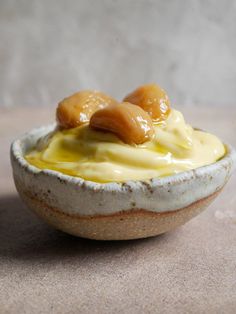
<point x="108" y="170"/>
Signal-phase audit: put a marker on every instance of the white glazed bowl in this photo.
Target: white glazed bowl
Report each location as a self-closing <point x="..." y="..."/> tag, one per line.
<point x="115" y="211"/>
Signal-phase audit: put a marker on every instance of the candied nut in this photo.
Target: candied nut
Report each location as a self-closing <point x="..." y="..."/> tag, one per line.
<point x="153" y="99"/>
<point x="129" y="122"/>
<point x="78" y="108"/>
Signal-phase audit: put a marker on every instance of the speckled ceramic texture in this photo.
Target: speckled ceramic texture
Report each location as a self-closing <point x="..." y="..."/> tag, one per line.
<point x="47" y="190"/>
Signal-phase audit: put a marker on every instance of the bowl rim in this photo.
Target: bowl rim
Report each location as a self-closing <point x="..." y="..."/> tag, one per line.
<point x="228" y="160"/>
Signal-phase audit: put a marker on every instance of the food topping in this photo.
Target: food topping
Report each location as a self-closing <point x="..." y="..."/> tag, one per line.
<point x="78" y="108"/>
<point x="129" y="122"/>
<point x="153" y="99"/>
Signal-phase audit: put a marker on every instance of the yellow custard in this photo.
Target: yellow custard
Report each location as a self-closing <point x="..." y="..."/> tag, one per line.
<point x="102" y="157"/>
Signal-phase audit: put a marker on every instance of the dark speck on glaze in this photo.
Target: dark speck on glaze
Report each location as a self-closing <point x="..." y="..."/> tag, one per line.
<point x="127" y="187"/>
<point x="148" y="186"/>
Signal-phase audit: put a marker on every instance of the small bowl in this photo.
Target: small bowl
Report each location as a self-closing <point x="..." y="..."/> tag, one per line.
<point x="115" y="211"/>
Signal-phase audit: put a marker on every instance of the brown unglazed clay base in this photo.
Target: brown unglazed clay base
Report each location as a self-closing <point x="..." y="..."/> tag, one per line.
<point x="129" y="224"/>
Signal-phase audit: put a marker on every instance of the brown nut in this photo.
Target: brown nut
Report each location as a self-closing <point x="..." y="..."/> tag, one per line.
<point x="153" y="99"/>
<point x="78" y="108"/>
<point x="129" y="122"/>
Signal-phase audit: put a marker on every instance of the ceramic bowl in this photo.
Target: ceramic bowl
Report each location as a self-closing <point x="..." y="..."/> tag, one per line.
<point x="115" y="211"/>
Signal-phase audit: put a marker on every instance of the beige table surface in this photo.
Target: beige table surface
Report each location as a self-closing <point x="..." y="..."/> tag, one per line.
<point x="190" y="270"/>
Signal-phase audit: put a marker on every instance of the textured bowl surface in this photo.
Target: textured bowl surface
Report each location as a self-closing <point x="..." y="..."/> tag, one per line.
<point x="129" y="210"/>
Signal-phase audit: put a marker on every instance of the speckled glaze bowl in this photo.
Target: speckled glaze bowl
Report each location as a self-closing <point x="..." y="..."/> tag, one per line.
<point x="115" y="211"/>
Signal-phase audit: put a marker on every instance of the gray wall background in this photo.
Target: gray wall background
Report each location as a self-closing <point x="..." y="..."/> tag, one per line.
<point x="50" y="49"/>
